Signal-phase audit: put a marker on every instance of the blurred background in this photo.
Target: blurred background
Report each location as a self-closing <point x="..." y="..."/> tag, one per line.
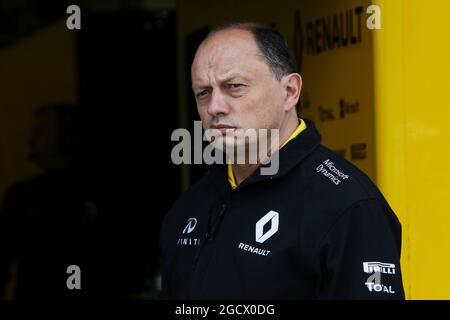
<point x="86" y="117"/>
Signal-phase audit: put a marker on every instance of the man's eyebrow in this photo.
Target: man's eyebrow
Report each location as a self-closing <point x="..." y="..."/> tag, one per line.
<point x="199" y="86"/>
<point x="233" y="76"/>
<point x="197" y="83"/>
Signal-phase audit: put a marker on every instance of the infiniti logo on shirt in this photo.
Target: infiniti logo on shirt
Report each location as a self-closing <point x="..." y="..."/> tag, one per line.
<point x="190" y="226"/>
<point x="191" y="223"/>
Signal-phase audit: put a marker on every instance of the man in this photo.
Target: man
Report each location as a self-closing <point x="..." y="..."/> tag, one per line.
<point x="316" y="229"/>
<point x="38" y="215"/>
<point x="67" y="215"/>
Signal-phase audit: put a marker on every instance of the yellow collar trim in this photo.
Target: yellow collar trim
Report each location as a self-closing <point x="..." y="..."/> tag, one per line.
<point x="301" y="127"/>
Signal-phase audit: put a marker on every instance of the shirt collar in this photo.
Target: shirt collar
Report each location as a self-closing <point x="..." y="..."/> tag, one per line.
<point x="232" y="180"/>
<point x="290" y="156"/>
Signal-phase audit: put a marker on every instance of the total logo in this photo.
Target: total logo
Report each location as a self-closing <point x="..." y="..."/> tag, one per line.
<point x="377" y="287"/>
<point x="373" y="283"/>
<point x="271" y="217"/>
<point x="185" y="241"/>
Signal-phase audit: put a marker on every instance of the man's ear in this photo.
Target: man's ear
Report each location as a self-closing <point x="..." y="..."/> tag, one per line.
<point x="293" y="87"/>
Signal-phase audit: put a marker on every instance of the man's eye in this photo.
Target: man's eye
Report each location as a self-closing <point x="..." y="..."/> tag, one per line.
<point x="235" y="85"/>
<point x="202" y="93"/>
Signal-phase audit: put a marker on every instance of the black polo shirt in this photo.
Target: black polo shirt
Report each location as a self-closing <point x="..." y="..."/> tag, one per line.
<point x="318" y="229"/>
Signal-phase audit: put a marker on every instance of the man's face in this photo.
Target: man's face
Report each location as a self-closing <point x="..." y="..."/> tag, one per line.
<point x="234" y="87"/>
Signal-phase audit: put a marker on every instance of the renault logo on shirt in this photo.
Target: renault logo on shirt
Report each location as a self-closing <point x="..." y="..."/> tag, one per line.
<point x="191" y="224"/>
<point x="272" y="218"/>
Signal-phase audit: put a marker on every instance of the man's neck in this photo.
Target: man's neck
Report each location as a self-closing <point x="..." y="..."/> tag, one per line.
<point x="243" y="171"/>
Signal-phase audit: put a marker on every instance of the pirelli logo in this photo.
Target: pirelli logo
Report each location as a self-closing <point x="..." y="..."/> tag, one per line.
<point x="379" y="267"/>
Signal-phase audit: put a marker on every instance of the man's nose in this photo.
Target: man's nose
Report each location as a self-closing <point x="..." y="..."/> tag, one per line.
<point x="217" y="105"/>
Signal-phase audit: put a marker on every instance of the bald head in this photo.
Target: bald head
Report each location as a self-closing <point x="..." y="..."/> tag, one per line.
<point x="271" y="45"/>
<point x="226" y="50"/>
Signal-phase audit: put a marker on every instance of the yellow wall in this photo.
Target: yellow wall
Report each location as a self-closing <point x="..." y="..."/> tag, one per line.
<point x="412" y="84"/>
<point x="38" y="70"/>
<point x="340" y="73"/>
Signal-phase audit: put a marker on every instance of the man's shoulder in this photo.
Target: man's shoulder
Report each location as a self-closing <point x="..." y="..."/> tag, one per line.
<point x="199" y="193"/>
<point x="196" y="192"/>
<point x="332" y="187"/>
<point x="21" y="188"/>
<point x="191" y="203"/>
<point x="329" y="176"/>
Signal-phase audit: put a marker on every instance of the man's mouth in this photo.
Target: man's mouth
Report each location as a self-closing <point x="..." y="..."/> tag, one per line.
<point x="223" y="128"/>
